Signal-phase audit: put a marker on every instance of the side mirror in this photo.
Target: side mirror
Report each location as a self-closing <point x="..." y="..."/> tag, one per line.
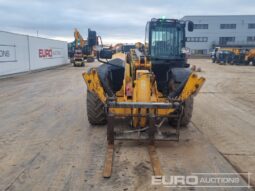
<point x="190" y="26"/>
<point x="105" y="54"/>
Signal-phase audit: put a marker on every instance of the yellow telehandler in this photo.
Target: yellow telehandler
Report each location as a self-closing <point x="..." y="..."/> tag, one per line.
<point x="151" y="90"/>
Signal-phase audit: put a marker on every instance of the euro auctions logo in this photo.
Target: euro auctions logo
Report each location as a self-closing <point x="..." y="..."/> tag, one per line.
<point x="204" y="180"/>
<point x="45" y="53"/>
<point x="175" y="181"/>
<point x="50" y="53"/>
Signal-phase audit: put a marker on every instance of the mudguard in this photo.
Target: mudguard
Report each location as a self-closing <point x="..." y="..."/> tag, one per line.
<point x="180" y="77"/>
<point x="180" y="74"/>
<point x="111" y="75"/>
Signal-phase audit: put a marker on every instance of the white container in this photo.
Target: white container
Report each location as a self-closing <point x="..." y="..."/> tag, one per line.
<point x="14" y="56"/>
<point x="22" y="53"/>
<point x="47" y="53"/>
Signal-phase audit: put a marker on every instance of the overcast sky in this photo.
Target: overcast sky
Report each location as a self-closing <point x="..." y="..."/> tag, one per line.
<point x="115" y="21"/>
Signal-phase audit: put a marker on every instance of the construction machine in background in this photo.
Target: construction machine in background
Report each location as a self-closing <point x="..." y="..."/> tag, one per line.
<point x="226" y="55"/>
<point x="235" y="56"/>
<point x="78" y="59"/>
<point x="127" y="47"/>
<point x="250" y="56"/>
<point x="89" y="53"/>
<point x="139" y="46"/>
<point x="84" y="49"/>
<point x="152" y="91"/>
<point x="117" y="48"/>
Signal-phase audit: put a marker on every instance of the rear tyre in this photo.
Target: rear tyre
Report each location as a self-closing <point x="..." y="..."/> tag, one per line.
<point x="95" y="110"/>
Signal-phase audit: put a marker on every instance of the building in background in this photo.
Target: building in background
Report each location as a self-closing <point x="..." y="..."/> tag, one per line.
<point x="220" y="31"/>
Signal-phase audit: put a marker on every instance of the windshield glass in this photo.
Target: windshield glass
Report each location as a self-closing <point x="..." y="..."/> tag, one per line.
<point x="166" y="42"/>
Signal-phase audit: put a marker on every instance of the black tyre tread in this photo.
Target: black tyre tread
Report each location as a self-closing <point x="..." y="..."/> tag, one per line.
<point x="187" y="111"/>
<point x="95" y="110"/>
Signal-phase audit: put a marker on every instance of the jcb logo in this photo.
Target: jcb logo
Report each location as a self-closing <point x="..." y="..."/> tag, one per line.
<point x="45" y="53"/>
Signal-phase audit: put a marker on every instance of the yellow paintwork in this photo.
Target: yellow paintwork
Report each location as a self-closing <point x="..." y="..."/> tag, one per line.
<point x="192" y="86"/>
<point x="141" y="93"/>
<point x="77" y="37"/>
<point x="94" y="85"/>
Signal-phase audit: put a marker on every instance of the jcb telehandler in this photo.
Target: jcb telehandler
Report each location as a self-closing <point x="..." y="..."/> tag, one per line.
<point x="148" y="89"/>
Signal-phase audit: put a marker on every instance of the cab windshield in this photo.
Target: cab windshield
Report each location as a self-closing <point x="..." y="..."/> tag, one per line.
<point x="166" y="42"/>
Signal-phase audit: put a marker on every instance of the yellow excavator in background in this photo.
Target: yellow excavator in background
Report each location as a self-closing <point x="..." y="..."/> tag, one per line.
<point x="84" y="49"/>
<point x="151" y="90"/>
<point x="79" y="41"/>
<point x="78" y="59"/>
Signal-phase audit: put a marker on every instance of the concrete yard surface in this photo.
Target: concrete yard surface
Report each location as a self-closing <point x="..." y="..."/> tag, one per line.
<point x="46" y="142"/>
<point x="225" y="112"/>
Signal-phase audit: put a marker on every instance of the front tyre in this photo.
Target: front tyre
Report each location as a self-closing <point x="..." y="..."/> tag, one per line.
<point x="95" y="110"/>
